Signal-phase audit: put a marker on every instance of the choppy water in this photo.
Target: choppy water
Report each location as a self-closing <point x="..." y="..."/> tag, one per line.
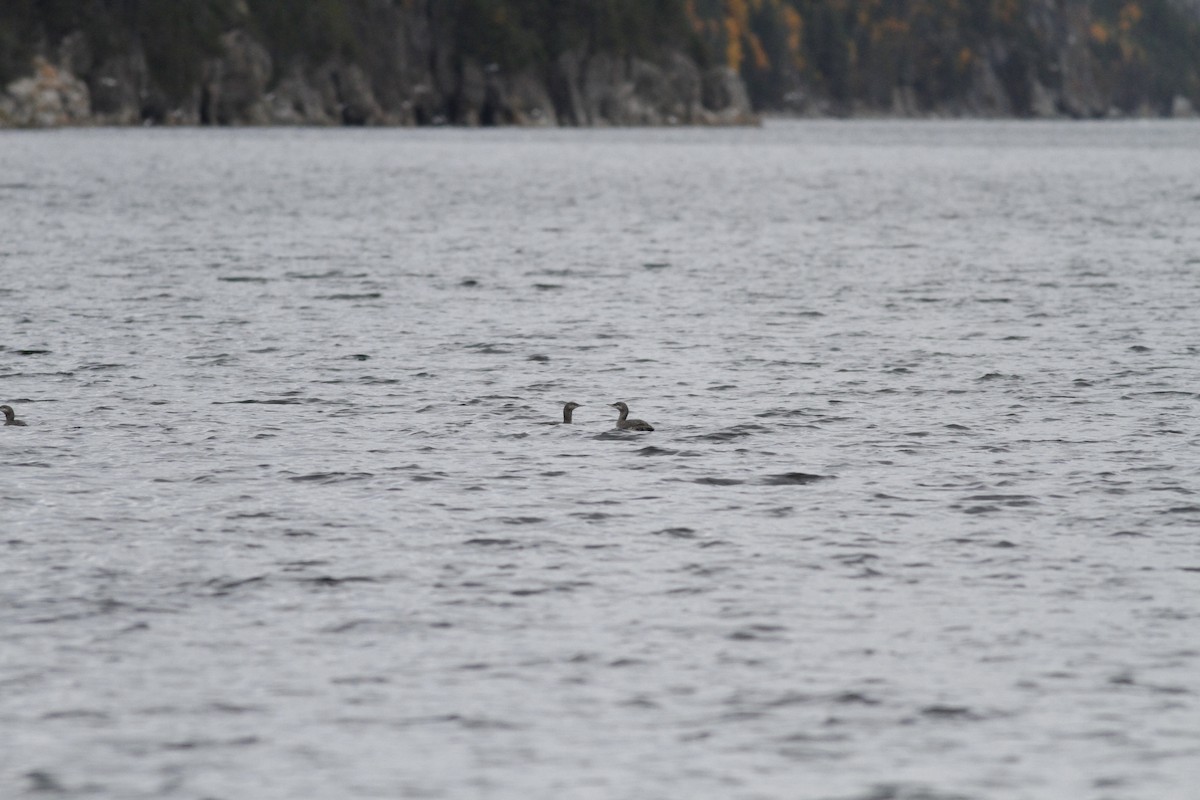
<point x="920" y="518"/>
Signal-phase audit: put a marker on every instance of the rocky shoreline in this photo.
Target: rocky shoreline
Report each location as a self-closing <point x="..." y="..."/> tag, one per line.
<point x="415" y="64"/>
<point x="243" y="86"/>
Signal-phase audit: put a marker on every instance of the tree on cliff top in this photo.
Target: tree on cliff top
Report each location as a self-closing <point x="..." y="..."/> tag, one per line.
<point x="520" y="33"/>
<point x="175" y="36"/>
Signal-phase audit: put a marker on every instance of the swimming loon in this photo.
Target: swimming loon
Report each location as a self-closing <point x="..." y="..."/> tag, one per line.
<point x="630" y="424"/>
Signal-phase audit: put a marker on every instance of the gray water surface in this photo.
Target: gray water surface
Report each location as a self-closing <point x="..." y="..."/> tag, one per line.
<point x="919" y="519"/>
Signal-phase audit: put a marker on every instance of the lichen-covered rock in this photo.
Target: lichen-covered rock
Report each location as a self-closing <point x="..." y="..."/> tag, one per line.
<point x="49" y="98"/>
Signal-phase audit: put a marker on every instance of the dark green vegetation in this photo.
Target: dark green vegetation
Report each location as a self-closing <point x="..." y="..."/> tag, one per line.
<point x="519" y="33"/>
<point x="175" y="36"/>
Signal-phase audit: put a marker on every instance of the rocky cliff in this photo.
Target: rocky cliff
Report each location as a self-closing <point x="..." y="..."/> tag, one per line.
<point x="394" y="63"/>
<point x="1039" y="58"/>
<point x="589" y="62"/>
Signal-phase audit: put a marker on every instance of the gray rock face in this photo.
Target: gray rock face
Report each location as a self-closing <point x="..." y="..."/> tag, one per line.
<point x="519" y="99"/>
<point x="603" y="90"/>
<point x="295" y="101"/>
<point x="725" y="99"/>
<point x="234" y="86"/>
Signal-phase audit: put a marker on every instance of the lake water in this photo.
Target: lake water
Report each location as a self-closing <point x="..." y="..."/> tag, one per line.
<point x="919" y="519"/>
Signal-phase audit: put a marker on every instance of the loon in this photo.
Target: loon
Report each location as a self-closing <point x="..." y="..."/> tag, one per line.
<point x="567" y="409"/>
<point x="10" y="416"/>
<point x="630" y="424"/>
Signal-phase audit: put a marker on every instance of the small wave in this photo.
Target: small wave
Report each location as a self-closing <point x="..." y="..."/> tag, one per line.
<point x="949" y="712"/>
<point x="784" y="412"/>
<point x="677" y="533"/>
<point x="792" y="479"/>
<point x="242" y="279"/>
<point x="204" y="743"/>
<point x="729" y="434"/>
<point x="316" y="276"/>
<point x="616" y="434"/>
<point x="1005" y="499"/>
<point x="1159" y="393"/>
<point x="332" y="580"/>
<point x="351" y="296"/>
<point x="488" y="348"/>
<point x="331" y="477"/>
<point x="223" y="586"/>
<point x="280" y="401"/>
<point x="756" y="632"/>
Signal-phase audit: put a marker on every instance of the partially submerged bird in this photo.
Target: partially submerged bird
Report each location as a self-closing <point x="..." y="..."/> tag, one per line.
<point x="10" y="416"/>
<point x="567" y="409"/>
<point x="630" y="424"/>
